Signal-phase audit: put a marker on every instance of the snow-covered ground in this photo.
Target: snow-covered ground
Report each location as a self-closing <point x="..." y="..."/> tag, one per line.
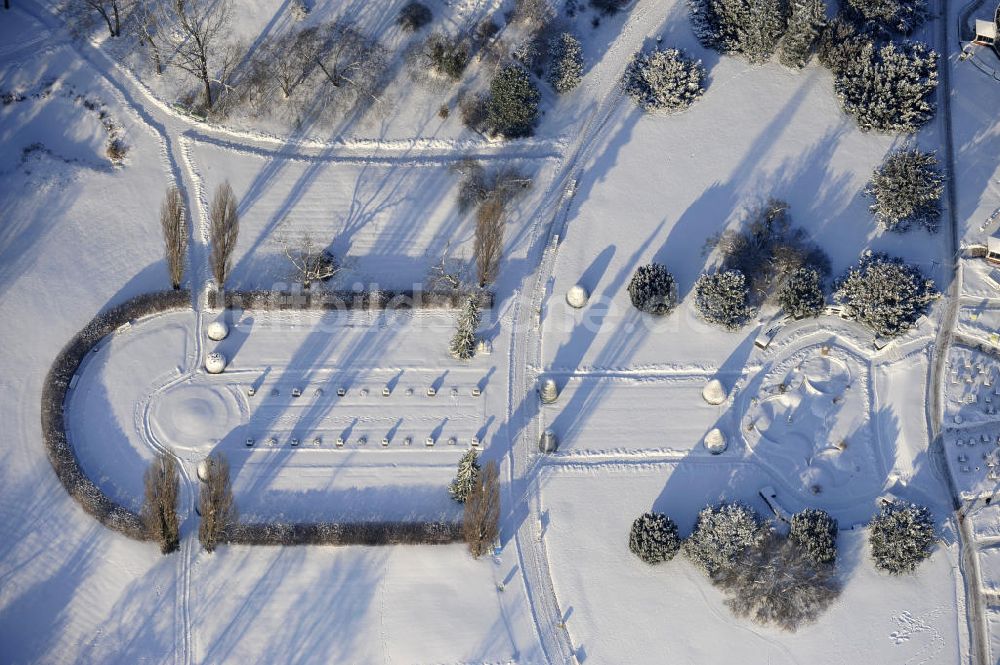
<point x="820" y="414"/>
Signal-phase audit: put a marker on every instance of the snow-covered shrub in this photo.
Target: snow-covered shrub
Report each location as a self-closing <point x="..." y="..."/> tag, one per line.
<point x="723" y="535"/>
<point x="299" y="10"/>
<point x="532" y="14"/>
<point x="907" y="190"/>
<point x="653" y="538"/>
<point x="777" y="583"/>
<point x="888" y="88"/>
<point x="664" y="80"/>
<point x="767" y="249"/>
<point x="723" y="298"/>
<point x="802" y="294"/>
<point x="805" y="23"/>
<point x="465" y="478"/>
<point x="652" y="289"/>
<point x="512" y="106"/>
<point x="884" y="293"/>
<point x="609" y="6"/>
<point x="816" y="532"/>
<point x="900" y="16"/>
<point x="752" y="28"/>
<point x="901" y="536"/>
<point x="565" y="62"/>
<point x="447" y="55"/>
<point x="413" y="16"/>
<point x="463" y="343"/>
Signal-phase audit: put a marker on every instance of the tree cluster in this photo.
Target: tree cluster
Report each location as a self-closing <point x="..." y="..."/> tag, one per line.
<point x="888" y="16"/>
<point x="771" y="579"/>
<point x="887" y="87"/>
<point x="664" y="80"/>
<point x="906" y="190"/>
<point x="751" y="28"/>
<point x="884" y="293"/>
<point x="901" y="536"/>
<point x="768" y="249"/>
<point x="805" y="25"/>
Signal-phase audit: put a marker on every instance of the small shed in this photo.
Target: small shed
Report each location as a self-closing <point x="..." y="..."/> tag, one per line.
<point x="993" y="249"/>
<point x="986" y="33"/>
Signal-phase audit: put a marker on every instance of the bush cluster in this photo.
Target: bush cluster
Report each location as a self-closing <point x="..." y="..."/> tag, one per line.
<point x="345" y="533"/>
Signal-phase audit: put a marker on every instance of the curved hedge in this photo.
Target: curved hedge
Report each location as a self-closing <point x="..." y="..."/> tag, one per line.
<point x="345" y="533"/>
<point x="343" y="300"/>
<point x="57" y="384"/>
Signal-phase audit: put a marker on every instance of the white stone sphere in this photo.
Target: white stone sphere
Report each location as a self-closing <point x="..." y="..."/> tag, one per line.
<point x="714" y="392"/>
<point x="215" y="362"/>
<point x="577" y="296"/>
<point x="217" y="331"/>
<point x="203" y="470"/>
<point x="715" y="441"/>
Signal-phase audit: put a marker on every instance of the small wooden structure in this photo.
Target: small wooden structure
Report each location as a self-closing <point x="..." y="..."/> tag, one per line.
<point x="986" y="33"/>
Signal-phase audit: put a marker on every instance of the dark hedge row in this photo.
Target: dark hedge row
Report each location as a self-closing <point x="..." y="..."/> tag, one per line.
<point x="347" y="533"/>
<point x="343" y="300"/>
<point x="60" y="450"/>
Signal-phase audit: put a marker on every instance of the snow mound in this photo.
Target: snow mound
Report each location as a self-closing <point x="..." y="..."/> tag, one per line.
<point x="577" y="296"/>
<point x="714" y="392"/>
<point x="218" y="331"/>
<point x="715" y="441"/>
<point x="215" y="362"/>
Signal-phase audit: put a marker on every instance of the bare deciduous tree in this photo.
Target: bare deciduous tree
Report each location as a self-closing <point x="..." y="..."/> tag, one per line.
<point x="111" y="11"/>
<point x="146" y="23"/>
<point x="225" y="229"/>
<point x="446" y="274"/>
<point x="352" y="61"/>
<point x="215" y="503"/>
<point x="199" y="25"/>
<point x="293" y="57"/>
<point x="777" y="583"/>
<point x="310" y="262"/>
<point x="159" y="509"/>
<point x="175" y="235"/>
<point x="481" y="522"/>
<point x="488" y="247"/>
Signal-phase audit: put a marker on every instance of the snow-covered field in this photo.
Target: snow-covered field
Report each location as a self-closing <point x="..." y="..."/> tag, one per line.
<point x="820" y="417"/>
